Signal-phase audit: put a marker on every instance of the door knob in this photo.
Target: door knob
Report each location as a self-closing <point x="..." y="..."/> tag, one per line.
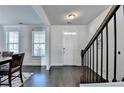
<point x="63" y="50"/>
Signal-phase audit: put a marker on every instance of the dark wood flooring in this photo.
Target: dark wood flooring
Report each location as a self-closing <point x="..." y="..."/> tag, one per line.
<point x="61" y="76"/>
<point x="89" y="76"/>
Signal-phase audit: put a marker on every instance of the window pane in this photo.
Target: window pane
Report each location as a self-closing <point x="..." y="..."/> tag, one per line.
<point x="38" y="43"/>
<point x="39" y="49"/>
<point x="13" y="37"/>
<point x="10" y="47"/>
<point x="36" y="37"/>
<point x="39" y="37"/>
<point x="42" y="46"/>
<point x="13" y="47"/>
<point x="12" y="41"/>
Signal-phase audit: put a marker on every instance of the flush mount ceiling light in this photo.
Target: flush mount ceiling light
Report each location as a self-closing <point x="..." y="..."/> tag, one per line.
<point x="72" y="15"/>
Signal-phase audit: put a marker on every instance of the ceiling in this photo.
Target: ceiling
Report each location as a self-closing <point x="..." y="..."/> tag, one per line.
<point x="14" y="14"/>
<point x="56" y="13"/>
<point x="26" y="14"/>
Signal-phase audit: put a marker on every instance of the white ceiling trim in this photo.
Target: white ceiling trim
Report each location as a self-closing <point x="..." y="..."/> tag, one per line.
<point x="40" y="11"/>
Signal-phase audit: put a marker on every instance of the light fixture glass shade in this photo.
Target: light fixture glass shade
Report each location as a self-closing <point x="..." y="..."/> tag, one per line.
<point x="71" y="16"/>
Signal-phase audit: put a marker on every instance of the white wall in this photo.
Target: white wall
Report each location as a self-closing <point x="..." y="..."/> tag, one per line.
<point x="57" y="41"/>
<point x="120" y="44"/>
<point x="92" y="27"/>
<point x="54" y="46"/>
<point x="25" y="42"/>
<point x="1" y="37"/>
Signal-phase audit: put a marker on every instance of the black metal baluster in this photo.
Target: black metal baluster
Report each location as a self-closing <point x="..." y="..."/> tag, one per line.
<point x="90" y="64"/>
<point x="83" y="63"/>
<point x="101" y="56"/>
<point x="93" y="62"/>
<point x="115" y="49"/>
<point x="107" y="52"/>
<point x="87" y="65"/>
<point x="85" y="68"/>
<point x="97" y="60"/>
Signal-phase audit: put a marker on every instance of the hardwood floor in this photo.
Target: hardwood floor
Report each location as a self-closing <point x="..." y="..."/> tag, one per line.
<point x="62" y="76"/>
<point x="89" y="76"/>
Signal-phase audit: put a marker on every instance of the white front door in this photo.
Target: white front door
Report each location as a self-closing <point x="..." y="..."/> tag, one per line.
<point x="69" y="48"/>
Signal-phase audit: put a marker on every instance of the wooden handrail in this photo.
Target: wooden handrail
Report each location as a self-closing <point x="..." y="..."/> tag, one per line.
<point x="101" y="27"/>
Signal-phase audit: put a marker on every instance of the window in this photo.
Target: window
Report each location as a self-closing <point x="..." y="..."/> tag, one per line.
<point x="12" y="41"/>
<point x="38" y="43"/>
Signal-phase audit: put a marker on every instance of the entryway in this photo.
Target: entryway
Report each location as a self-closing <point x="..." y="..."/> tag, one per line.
<point x="70" y="46"/>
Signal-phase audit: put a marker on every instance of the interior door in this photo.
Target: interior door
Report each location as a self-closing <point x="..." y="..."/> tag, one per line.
<point x="69" y="48"/>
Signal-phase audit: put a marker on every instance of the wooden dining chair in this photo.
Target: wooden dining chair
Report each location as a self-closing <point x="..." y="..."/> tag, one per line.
<point x="14" y="66"/>
<point x="7" y="54"/>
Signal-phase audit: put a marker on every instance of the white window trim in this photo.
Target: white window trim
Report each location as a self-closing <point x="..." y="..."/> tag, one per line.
<point x="37" y="43"/>
<point x="7" y="39"/>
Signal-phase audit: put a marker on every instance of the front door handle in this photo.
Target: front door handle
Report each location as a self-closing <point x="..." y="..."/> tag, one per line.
<point x="63" y="50"/>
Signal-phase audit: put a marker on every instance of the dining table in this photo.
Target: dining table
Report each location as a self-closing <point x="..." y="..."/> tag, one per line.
<point x="5" y="60"/>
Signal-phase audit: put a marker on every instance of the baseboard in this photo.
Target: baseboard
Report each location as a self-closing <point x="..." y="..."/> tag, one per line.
<point x="64" y="65"/>
<point x="33" y="66"/>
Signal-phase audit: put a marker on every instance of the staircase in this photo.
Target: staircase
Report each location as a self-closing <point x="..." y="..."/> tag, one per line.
<point x="92" y="60"/>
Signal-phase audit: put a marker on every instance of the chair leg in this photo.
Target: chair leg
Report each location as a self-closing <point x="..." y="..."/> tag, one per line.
<point x="10" y="84"/>
<point x="21" y="78"/>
